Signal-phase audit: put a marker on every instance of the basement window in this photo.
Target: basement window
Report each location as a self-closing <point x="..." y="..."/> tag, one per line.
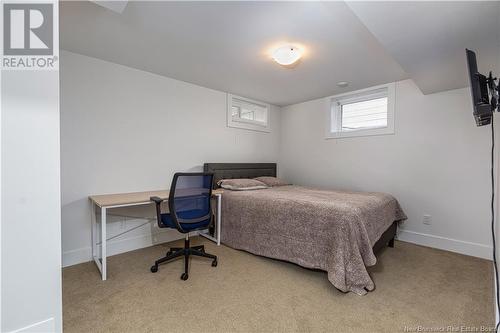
<point x="247" y="114"/>
<point x="362" y="113"/>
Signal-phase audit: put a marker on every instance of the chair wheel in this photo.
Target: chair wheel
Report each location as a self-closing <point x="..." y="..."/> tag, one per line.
<point x="214" y="263"/>
<point x="154" y="269"/>
<point x="184" y="276"/>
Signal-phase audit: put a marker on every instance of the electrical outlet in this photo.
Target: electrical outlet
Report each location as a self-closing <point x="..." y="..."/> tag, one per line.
<point x="427" y="220"/>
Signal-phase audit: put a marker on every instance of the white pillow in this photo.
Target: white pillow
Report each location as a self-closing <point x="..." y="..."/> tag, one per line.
<point x="242" y="184"/>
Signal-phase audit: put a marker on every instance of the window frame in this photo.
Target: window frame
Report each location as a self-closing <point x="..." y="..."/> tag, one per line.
<point x="248" y="124"/>
<point x="334" y="112"/>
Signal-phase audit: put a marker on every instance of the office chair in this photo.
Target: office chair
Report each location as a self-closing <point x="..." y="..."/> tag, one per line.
<point x="189" y="205"/>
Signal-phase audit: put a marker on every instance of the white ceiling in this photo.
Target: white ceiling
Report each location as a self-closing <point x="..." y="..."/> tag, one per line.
<point x="116" y="6"/>
<point x="226" y="45"/>
<point x="428" y="38"/>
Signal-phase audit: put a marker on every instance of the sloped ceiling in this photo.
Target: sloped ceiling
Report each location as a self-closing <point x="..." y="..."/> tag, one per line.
<point x="116" y="6"/>
<point x="428" y="38"/>
<point x="226" y="45"/>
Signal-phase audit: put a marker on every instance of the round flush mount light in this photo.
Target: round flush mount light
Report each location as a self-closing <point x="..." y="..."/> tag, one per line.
<point x="342" y="84"/>
<point x="287" y="55"/>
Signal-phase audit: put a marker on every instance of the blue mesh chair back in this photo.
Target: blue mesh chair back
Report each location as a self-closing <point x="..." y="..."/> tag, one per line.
<point x="189" y="201"/>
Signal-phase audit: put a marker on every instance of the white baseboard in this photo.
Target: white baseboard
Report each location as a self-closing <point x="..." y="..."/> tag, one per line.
<point x="81" y="255"/>
<point x="118" y="246"/>
<point x="44" y="326"/>
<point x="448" y="244"/>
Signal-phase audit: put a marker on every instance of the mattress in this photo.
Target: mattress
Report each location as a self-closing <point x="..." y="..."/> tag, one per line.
<point x="321" y="229"/>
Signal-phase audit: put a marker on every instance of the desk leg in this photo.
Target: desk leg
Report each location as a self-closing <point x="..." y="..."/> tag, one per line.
<point x="219" y="199"/>
<point x="103" y="243"/>
<point x="93" y="227"/>
<point x="95" y="239"/>
<point x="100" y="263"/>
<point x="216" y="237"/>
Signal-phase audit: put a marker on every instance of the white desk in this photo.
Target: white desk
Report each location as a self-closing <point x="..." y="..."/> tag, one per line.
<point x="107" y="201"/>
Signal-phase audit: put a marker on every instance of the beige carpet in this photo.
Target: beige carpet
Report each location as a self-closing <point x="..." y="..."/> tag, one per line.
<point x="415" y="286"/>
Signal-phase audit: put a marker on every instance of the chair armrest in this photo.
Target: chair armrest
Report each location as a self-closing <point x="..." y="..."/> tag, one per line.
<point x="157" y="200"/>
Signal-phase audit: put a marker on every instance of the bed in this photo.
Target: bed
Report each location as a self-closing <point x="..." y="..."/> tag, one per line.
<point x="335" y="231"/>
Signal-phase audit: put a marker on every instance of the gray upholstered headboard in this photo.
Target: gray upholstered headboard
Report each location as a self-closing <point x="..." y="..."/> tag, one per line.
<point x="240" y="170"/>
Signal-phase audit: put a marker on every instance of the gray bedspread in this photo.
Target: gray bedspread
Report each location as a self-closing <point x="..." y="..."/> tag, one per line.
<point x="329" y="230"/>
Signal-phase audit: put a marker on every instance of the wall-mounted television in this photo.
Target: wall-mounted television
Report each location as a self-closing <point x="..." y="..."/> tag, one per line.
<point x="482" y="108"/>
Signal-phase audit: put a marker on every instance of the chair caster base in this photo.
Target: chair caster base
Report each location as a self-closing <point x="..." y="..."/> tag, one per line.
<point x="186" y="252"/>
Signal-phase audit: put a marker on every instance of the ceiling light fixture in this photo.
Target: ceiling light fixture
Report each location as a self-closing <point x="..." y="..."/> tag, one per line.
<point x="342" y="84"/>
<point x="287" y="55"/>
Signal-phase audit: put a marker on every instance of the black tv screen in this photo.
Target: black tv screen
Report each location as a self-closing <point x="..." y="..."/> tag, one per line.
<point x="482" y="109"/>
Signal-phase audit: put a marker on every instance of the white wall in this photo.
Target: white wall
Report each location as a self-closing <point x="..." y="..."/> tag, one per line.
<point x="30" y="199"/>
<point x="437" y="163"/>
<point x="125" y="130"/>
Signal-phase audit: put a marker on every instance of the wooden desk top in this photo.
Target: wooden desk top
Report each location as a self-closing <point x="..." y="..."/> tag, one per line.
<point x="106" y="200"/>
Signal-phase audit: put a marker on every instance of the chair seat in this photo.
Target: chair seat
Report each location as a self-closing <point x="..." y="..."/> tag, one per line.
<point x="168" y="222"/>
